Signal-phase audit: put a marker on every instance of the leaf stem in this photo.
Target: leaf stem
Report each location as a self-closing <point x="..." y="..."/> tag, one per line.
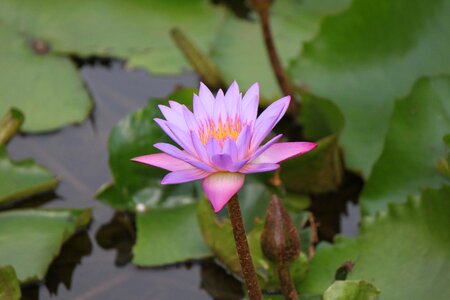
<point x="262" y="7"/>
<point x="287" y="285"/>
<point x="10" y="124"/>
<point x="245" y="259"/>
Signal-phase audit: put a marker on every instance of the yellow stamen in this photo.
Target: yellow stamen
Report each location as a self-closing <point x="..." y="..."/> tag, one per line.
<point x="220" y="131"/>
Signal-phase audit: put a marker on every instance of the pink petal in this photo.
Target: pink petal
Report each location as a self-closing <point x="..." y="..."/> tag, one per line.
<point x="282" y="151"/>
<point x="258" y="168"/>
<point x="164" y="161"/>
<point x="266" y="145"/>
<point x="184" y="176"/>
<point x="220" y="187"/>
<point x="268" y="119"/>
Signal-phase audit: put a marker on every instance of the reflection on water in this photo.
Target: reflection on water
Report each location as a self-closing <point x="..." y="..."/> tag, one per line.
<point x="87" y="268"/>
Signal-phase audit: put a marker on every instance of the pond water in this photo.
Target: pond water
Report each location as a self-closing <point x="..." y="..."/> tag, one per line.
<point x="96" y="264"/>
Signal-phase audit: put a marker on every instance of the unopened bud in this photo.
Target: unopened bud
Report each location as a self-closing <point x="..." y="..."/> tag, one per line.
<point x="279" y="240"/>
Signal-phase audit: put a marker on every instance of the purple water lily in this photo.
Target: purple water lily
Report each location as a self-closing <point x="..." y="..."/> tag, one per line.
<point x="221" y="141"/>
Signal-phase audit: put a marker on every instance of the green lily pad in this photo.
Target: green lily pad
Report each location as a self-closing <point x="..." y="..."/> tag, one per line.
<point x="46" y="87"/>
<point x="22" y="179"/>
<point x="31" y="239"/>
<point x="369" y="55"/>
<point x="239" y="48"/>
<point x="136" y="184"/>
<point x="351" y="290"/>
<point x="134" y="30"/>
<point x="218" y="234"/>
<point x="413" y="146"/>
<point x="9" y="285"/>
<point x="168" y="235"/>
<point x="410" y="241"/>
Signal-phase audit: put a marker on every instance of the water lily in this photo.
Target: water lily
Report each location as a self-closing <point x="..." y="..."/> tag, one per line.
<point x="221" y="141"/>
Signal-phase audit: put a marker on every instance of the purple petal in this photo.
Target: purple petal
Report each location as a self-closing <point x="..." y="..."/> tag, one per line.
<point x="200" y="112"/>
<point x="172" y="151"/>
<point x="199" y="148"/>
<point x="219" y="110"/>
<point x="265" y="146"/>
<point x="243" y="141"/>
<point x="184" y="176"/>
<point x="163" y="124"/>
<point x="258" y="168"/>
<point x="213" y="147"/>
<point x="250" y="104"/>
<point x="206" y="97"/>
<point x="232" y="100"/>
<point x="190" y="120"/>
<point x="172" y="116"/>
<point x="231" y="149"/>
<point x="282" y="151"/>
<point x="183" y="137"/>
<point x="176" y="106"/>
<point x="163" y="160"/>
<point x="220" y="187"/>
<point x="268" y="119"/>
<point x="222" y="161"/>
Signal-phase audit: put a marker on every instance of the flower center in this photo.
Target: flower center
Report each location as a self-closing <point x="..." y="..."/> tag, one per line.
<point x="220" y="131"/>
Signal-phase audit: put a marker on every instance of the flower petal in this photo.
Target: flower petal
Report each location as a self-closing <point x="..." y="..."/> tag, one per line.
<point x="265" y="146"/>
<point x="206" y="97"/>
<point x="250" y="102"/>
<point x="220" y="187"/>
<point x="282" y="151"/>
<point x="184" y="176"/>
<point x="222" y="162"/>
<point x="242" y="142"/>
<point x="164" y="161"/>
<point x="267" y="120"/>
<point x="232" y="100"/>
<point x="172" y="151"/>
<point x="258" y="168"/>
<point x="172" y="116"/>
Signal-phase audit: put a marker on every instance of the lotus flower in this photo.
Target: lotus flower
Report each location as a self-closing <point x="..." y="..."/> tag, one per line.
<point x="221" y="141"/>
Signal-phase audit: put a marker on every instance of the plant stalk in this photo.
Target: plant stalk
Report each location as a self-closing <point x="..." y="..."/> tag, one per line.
<point x="243" y="251"/>
<point x="10" y="124"/>
<point x="262" y="7"/>
<point x="287" y="285"/>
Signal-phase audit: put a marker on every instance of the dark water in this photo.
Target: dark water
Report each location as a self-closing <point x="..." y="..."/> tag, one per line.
<point x="96" y="264"/>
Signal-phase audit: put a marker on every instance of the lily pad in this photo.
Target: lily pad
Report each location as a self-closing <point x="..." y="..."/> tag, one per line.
<point x="31" y="239"/>
<point x="9" y="285"/>
<point x="168" y="235"/>
<point x="410" y="241"/>
<point x="351" y="290"/>
<point x="135" y="184"/>
<point x="45" y="87"/>
<point x="239" y="48"/>
<point x="19" y="180"/>
<point x="134" y="30"/>
<point x="369" y="55"/>
<point x="414" y="144"/>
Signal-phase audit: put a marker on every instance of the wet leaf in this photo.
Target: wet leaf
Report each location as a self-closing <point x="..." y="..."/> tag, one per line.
<point x="46" y="87"/>
<point x="9" y="285"/>
<point x="366" y="57"/>
<point x="22" y="179"/>
<point x="136" y="184"/>
<point x="31" y="239"/>
<point x="239" y="50"/>
<point x="414" y="145"/>
<point x="168" y="235"/>
<point x="134" y="30"/>
<point x="410" y="241"/>
<point x="351" y="290"/>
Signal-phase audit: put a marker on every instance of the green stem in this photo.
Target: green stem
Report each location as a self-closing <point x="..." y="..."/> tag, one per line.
<point x="245" y="259"/>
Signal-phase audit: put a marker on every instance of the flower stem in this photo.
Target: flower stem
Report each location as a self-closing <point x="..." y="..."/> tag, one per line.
<point x="245" y="259"/>
<point x="262" y="7"/>
<point x="287" y="286"/>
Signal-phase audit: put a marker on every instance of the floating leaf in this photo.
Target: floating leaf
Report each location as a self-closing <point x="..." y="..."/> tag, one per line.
<point x="239" y="49"/>
<point x="410" y="241"/>
<point x="351" y="290"/>
<point x="413" y="146"/>
<point x="9" y="285"/>
<point x="135" y="184"/>
<point x="168" y="235"/>
<point x="366" y="57"/>
<point x="19" y="180"/>
<point x="31" y="239"/>
<point x="46" y="87"/>
<point x="135" y="30"/>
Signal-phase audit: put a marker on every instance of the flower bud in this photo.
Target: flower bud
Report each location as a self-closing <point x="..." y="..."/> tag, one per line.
<point x="279" y="240"/>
